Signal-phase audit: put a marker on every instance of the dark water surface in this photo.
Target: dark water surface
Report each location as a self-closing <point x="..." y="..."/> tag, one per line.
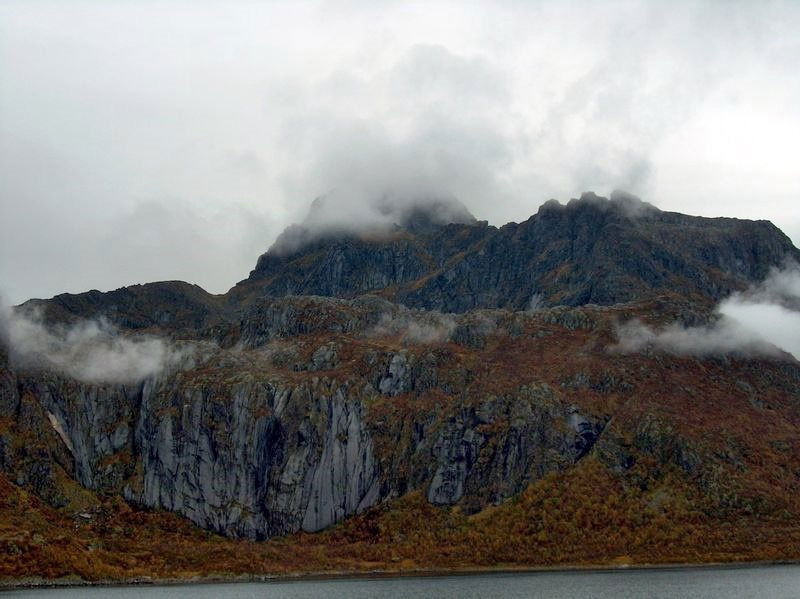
<point x="766" y="582"/>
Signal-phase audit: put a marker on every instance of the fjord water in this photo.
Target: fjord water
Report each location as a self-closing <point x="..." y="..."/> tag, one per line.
<point x="767" y="582"/>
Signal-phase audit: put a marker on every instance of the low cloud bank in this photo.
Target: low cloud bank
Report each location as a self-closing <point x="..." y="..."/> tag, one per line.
<point x="90" y="351"/>
<point x="338" y="213"/>
<point x="416" y="327"/>
<point x="765" y="320"/>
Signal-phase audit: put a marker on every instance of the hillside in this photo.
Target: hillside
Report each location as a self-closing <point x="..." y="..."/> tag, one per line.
<point x="345" y="431"/>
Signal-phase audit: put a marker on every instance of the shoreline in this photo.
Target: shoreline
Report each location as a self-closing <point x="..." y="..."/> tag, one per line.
<point x="37" y="583"/>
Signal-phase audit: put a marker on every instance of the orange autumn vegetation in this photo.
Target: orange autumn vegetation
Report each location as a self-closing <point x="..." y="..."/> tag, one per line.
<point x="584" y="516"/>
<point x="739" y="417"/>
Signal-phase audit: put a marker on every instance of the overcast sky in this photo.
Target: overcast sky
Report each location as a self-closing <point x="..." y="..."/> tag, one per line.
<point x="145" y="141"/>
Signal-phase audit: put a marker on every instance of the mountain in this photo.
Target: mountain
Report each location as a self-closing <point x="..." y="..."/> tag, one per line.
<point x="428" y="423"/>
<point x="589" y="251"/>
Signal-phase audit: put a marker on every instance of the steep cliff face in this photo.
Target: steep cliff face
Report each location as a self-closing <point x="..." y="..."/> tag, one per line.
<point x="327" y="407"/>
<point x="247" y="448"/>
<point x="255" y="459"/>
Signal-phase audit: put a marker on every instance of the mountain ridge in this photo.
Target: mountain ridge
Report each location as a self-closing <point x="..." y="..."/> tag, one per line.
<point x="591" y="250"/>
<point x="327" y="424"/>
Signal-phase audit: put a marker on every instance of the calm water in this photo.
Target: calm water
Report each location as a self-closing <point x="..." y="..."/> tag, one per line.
<point x="763" y="582"/>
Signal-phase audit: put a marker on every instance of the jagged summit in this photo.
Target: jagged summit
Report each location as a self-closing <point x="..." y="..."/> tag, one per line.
<point x="429" y="216"/>
<point x="590" y="250"/>
<point x="621" y="201"/>
<point x="329" y="219"/>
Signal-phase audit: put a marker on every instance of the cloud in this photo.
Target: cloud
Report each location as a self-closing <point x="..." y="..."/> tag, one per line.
<point x="90" y="351"/>
<point x="435" y="133"/>
<point x="423" y="327"/>
<point x="235" y="116"/>
<point x="379" y="216"/>
<point x="536" y="303"/>
<point x="764" y="320"/>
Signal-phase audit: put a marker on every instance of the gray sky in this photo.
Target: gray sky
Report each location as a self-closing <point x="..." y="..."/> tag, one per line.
<point x="144" y="141"/>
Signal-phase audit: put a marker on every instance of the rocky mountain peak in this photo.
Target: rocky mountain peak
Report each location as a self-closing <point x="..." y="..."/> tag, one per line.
<point x="435" y="256"/>
<point x="427" y="216"/>
<point x="592" y="249"/>
<point x="619" y="203"/>
<point x="330" y="217"/>
<point x="449" y="361"/>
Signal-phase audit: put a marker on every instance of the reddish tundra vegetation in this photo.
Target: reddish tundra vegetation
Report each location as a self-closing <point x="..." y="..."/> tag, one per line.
<point x="324" y="416"/>
<point x="697" y="462"/>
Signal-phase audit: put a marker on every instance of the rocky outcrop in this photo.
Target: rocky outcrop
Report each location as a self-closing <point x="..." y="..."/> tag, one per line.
<point x="249" y="453"/>
<point x="268" y="319"/>
<point x="493" y="452"/>
<point x="176" y="307"/>
<point x="255" y="460"/>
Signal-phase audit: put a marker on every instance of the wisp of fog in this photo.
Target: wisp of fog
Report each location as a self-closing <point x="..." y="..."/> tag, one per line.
<point x="764" y="320"/>
<point x="355" y="212"/>
<point x="415" y="326"/>
<point x="90" y="351"/>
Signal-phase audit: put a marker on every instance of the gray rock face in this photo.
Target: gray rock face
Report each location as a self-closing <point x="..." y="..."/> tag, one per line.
<point x="31" y="452"/>
<point x="397" y="379"/>
<point x="456" y="451"/>
<point x="94" y="423"/>
<point x="250" y="459"/>
<point x="9" y="397"/>
<point x="489" y="463"/>
<point x="325" y="357"/>
<point x="257" y="456"/>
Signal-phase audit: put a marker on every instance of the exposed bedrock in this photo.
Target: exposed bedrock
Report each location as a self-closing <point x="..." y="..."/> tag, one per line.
<point x="250" y="457"/>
